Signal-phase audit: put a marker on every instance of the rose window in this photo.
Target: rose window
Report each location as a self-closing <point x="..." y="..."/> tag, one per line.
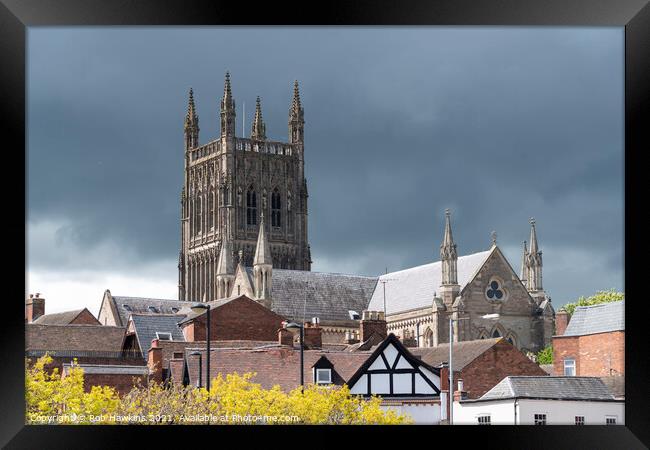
<point x="494" y="291"/>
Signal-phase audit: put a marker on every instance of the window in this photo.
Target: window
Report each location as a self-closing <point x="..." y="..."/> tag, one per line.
<point x="494" y="291"/>
<point x="251" y="207"/>
<point x="496" y="334"/>
<point x="485" y="420"/>
<point x="580" y="420"/>
<point x="540" y="419"/>
<point x="211" y="211"/>
<point x="323" y="376"/>
<point x="153" y="309"/>
<point x="178" y="355"/>
<point x="163" y="336"/>
<point x="275" y="209"/>
<point x="610" y="420"/>
<point x="569" y="367"/>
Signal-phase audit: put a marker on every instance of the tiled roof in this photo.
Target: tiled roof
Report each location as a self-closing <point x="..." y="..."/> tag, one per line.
<point x="548" y="368"/>
<point x="597" y="319"/>
<point x="213" y="305"/>
<point x="74" y="337"/>
<point x="415" y="287"/>
<point x="560" y="388"/>
<point x="278" y="365"/>
<point x="111" y="369"/>
<point x="147" y="325"/>
<point x="62" y="318"/>
<point x="141" y="305"/>
<point x="464" y="352"/>
<point x="328" y="296"/>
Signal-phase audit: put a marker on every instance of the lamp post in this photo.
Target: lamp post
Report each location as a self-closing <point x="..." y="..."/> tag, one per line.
<point x="200" y="366"/>
<point x="198" y="308"/>
<point x="451" y="370"/>
<point x="294" y="325"/>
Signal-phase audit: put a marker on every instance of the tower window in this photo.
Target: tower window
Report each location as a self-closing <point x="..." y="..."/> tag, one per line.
<point x="211" y="211"/>
<point x="251" y="207"/>
<point x="276" y="209"/>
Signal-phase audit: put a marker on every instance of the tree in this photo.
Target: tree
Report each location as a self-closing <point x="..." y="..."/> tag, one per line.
<point x="606" y="296"/>
<point x="545" y="356"/>
<point x="234" y="399"/>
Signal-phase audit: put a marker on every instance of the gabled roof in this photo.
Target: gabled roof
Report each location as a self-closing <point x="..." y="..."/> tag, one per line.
<point x="597" y="319"/>
<point x="74" y="337"/>
<point x="414" y="288"/>
<point x="545" y="387"/>
<point x="328" y="296"/>
<point x="125" y="306"/>
<point x="61" y="318"/>
<point x="464" y="352"/>
<point x="147" y="325"/>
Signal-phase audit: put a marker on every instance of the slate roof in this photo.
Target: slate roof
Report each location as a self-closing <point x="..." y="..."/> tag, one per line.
<point x="111" y="369"/>
<point x="414" y="288"/>
<point x="74" y="337"/>
<point x="545" y="387"/>
<point x="277" y="365"/>
<point x="464" y="352"/>
<point x="213" y="305"/>
<point x="597" y="319"/>
<point x="61" y="318"/>
<point x="328" y="296"/>
<point x="147" y="325"/>
<point x="140" y="305"/>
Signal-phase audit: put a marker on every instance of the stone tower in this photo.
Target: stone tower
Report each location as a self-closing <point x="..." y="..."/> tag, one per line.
<point x="229" y="184"/>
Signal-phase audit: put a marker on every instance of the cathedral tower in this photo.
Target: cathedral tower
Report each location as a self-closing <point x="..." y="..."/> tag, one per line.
<point x="230" y="183"/>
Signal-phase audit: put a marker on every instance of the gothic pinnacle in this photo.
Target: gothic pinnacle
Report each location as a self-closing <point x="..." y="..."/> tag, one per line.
<point x="533" y="237"/>
<point x="227" y="102"/>
<point x="258" y="130"/>
<point x="263" y="249"/>
<point x="522" y="274"/>
<point x="295" y="104"/>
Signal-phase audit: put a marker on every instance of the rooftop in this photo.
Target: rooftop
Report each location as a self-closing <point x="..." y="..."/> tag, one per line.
<point x="74" y="337"/>
<point x="545" y="387"/>
<point x="464" y="352"/>
<point x="594" y="319"/>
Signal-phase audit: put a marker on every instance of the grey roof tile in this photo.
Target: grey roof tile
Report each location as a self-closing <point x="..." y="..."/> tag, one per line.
<point x="415" y="287"/>
<point x="597" y="319"/>
<point x="561" y="388"/>
<point x="138" y="305"/>
<point x="61" y="318"/>
<point x="147" y="325"/>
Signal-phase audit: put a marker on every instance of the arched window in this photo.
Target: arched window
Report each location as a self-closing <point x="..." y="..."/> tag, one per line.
<point x="251" y="207"/>
<point x="275" y="209"/>
<point x="199" y="213"/>
<point x="496" y="334"/>
<point x="211" y="211"/>
<point x="428" y="338"/>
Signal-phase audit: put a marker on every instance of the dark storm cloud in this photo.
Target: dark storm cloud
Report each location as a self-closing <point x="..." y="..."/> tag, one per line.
<point x="497" y="124"/>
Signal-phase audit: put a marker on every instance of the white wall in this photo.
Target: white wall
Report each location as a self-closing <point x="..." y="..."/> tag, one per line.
<point x="422" y="414"/>
<point x="558" y="412"/>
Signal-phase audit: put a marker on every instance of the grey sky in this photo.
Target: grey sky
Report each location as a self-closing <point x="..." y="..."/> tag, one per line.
<point x="498" y="124"/>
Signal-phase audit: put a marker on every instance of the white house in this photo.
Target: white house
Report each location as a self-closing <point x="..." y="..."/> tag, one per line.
<point x="539" y="400"/>
<point x="405" y="383"/>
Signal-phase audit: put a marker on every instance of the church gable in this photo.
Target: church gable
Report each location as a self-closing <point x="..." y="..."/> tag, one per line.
<point x="391" y="371"/>
<point x="496" y="286"/>
<point x="243" y="284"/>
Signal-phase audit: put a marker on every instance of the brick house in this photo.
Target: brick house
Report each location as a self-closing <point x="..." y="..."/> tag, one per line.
<point x="35" y="313"/>
<point x="121" y="377"/>
<point x="592" y="344"/>
<point x="234" y="318"/>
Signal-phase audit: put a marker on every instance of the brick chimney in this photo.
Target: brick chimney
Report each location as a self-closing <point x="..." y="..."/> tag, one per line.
<point x="562" y="318"/>
<point x="351" y="336"/>
<point x="34" y="307"/>
<point x="313" y="334"/>
<point x="373" y="322"/>
<point x="154" y="361"/>
<point x="285" y="337"/>
<point x="460" y="394"/>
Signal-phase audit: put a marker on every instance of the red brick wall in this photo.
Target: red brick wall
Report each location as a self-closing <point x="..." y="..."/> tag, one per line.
<point x="240" y="319"/>
<point x="596" y="355"/>
<point x="85" y="318"/>
<point x="494" y="365"/>
<point x="121" y="382"/>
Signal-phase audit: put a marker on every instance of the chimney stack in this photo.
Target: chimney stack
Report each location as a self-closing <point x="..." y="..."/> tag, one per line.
<point x="154" y="361"/>
<point x="313" y="335"/>
<point x="351" y="337"/>
<point x="562" y="318"/>
<point x="460" y="394"/>
<point x="373" y="322"/>
<point x="34" y="307"/>
<point x="285" y="337"/>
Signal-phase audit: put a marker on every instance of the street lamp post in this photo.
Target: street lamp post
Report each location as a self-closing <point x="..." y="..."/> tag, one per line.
<point x="451" y="370"/>
<point x="200" y="366"/>
<point x="198" y="308"/>
<point x="294" y="325"/>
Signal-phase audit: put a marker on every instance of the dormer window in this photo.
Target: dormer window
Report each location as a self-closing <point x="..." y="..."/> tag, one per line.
<point x="153" y="309"/>
<point x="323" y="376"/>
<point x="354" y="315"/>
<point x="175" y="310"/>
<point x="126" y="307"/>
<point x="163" y="336"/>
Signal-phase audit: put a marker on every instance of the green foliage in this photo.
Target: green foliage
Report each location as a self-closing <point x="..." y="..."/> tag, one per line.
<point x="545" y="356"/>
<point x="608" y="296"/>
<point x="234" y="399"/>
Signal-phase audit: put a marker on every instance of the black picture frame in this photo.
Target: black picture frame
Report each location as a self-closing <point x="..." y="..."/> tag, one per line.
<point x="634" y="15"/>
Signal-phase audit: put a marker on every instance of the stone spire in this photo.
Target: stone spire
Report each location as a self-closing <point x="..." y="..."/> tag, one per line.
<point x="225" y="269"/>
<point x="448" y="254"/>
<point x="263" y="267"/>
<point x="296" y="117"/>
<point x="534" y="261"/>
<point x="258" y="131"/>
<point x="191" y="127"/>
<point x="523" y="275"/>
<point x="227" y="110"/>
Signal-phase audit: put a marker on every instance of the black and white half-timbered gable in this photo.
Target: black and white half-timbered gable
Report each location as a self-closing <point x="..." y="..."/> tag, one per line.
<point x="392" y="371"/>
